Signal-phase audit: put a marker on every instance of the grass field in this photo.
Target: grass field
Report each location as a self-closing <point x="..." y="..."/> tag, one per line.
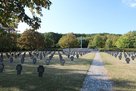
<point x="121" y="74"/>
<point x="56" y="77"/>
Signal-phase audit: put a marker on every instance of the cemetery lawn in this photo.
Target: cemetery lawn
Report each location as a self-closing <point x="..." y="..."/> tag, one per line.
<point x="69" y="77"/>
<point x="121" y="74"/>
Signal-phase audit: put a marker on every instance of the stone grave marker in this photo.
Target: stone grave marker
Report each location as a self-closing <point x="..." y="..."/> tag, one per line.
<point x="7" y="55"/>
<point x="68" y="55"/>
<point x="44" y="54"/>
<point x="120" y="57"/>
<point x="41" y="56"/>
<point x="133" y="57"/>
<point x="30" y="54"/>
<point x="37" y="54"/>
<point x="127" y="60"/>
<point x="11" y="59"/>
<point x="47" y="61"/>
<point x="22" y="59"/>
<point x="77" y="55"/>
<point x="19" y="69"/>
<point x="34" y="60"/>
<point x="72" y="58"/>
<point x="1" y="67"/>
<point x="62" y="61"/>
<point x="40" y="70"/>
<point x="1" y="59"/>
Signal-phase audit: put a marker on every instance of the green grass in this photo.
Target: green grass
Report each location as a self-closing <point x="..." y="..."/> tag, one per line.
<point x="56" y="77"/>
<point x="122" y="75"/>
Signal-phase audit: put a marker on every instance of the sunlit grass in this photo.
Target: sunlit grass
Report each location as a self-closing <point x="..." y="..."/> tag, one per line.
<point x="56" y="77"/>
<point x="122" y="75"/>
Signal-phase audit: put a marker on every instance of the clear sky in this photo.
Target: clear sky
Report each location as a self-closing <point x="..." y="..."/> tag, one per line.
<point x="89" y="16"/>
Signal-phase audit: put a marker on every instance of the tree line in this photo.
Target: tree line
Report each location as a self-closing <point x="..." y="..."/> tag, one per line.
<point x="33" y="40"/>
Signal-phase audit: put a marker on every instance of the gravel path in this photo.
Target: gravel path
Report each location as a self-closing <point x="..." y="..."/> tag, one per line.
<point x="97" y="79"/>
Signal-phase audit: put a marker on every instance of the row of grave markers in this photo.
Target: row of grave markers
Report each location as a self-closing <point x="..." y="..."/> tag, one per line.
<point x="33" y="55"/>
<point x="127" y="55"/>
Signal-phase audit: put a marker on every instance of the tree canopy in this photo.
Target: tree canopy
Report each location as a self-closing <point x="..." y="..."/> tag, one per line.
<point x="127" y="40"/>
<point x="68" y="41"/>
<point x="52" y="39"/>
<point x="31" y="40"/>
<point x="13" y="11"/>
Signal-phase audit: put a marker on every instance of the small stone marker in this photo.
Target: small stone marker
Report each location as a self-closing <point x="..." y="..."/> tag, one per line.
<point x="127" y="60"/>
<point x="34" y="60"/>
<point x="132" y="57"/>
<point x="41" y="56"/>
<point x="11" y="59"/>
<point x="47" y="61"/>
<point x="22" y="59"/>
<point x="62" y="61"/>
<point x="77" y="55"/>
<point x="19" y="69"/>
<point x="1" y="67"/>
<point x="120" y="57"/>
<point x="68" y="55"/>
<point x="40" y="70"/>
<point x="7" y="55"/>
<point x="1" y="59"/>
<point x="72" y="58"/>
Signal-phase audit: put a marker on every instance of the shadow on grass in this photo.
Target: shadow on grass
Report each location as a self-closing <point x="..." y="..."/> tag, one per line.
<point x="49" y="82"/>
<point x="54" y="79"/>
<point x="124" y="85"/>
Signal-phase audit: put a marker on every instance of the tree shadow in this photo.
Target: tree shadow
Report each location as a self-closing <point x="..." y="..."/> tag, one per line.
<point x="123" y="85"/>
<point x="54" y="79"/>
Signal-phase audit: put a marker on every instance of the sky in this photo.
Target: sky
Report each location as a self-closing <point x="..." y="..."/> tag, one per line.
<point x="88" y="16"/>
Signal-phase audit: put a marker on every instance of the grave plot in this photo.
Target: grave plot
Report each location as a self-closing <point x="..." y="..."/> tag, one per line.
<point x="54" y="76"/>
<point x="121" y="72"/>
<point x="127" y="57"/>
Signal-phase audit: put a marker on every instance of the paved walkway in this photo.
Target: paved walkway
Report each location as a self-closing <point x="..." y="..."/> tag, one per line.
<point x="97" y="79"/>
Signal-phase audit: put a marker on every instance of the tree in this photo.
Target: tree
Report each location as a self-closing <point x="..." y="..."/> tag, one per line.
<point x="8" y="41"/>
<point x="122" y="42"/>
<point x="52" y="39"/>
<point x="31" y="40"/>
<point x="108" y="43"/>
<point x="48" y="42"/>
<point x="13" y="11"/>
<point x="131" y="38"/>
<point x="98" y="41"/>
<point x="127" y="40"/>
<point x="68" y="41"/>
